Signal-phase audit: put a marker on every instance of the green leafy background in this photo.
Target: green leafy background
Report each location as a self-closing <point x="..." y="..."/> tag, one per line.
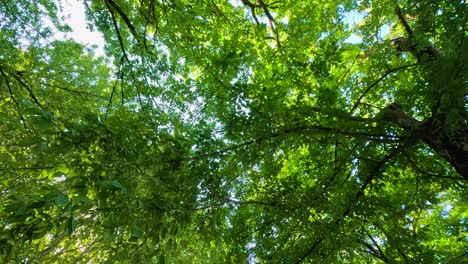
<point x="229" y="132"/>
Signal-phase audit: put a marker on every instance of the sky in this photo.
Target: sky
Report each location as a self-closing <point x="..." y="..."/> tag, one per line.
<point x="73" y="11"/>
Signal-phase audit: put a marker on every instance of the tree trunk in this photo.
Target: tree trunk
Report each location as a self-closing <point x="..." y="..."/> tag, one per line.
<point x="452" y="149"/>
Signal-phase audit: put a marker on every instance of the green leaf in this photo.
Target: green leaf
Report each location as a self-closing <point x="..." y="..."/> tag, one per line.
<point x="108" y="236"/>
<point x="71" y="225"/>
<point x="29" y="141"/>
<point x="61" y="199"/>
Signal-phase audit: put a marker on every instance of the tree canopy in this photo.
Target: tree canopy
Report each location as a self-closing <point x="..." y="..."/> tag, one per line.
<point x="240" y="131"/>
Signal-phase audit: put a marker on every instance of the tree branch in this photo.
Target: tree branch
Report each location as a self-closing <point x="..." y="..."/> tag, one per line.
<point x="117" y="31"/>
<point x="367" y="90"/>
<point x="376" y="168"/>
<point x="380" y="254"/>
<point x="403" y="21"/>
<point x="18" y="110"/>
<point x="301" y="129"/>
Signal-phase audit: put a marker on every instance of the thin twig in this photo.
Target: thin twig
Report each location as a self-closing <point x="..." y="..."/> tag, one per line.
<point x="367" y="90"/>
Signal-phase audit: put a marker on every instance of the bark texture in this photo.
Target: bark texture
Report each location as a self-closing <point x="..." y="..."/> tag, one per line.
<point x="453" y="149"/>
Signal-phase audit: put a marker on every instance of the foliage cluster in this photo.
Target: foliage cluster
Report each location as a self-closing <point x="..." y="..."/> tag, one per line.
<point x="241" y="131"/>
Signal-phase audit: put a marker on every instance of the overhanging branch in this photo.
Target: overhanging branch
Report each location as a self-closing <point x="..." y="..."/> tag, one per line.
<point x="303" y="129"/>
<point x="373" y="84"/>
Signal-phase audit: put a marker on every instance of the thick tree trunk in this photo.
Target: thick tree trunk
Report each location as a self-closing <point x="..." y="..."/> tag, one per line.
<point x="452" y="149"/>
